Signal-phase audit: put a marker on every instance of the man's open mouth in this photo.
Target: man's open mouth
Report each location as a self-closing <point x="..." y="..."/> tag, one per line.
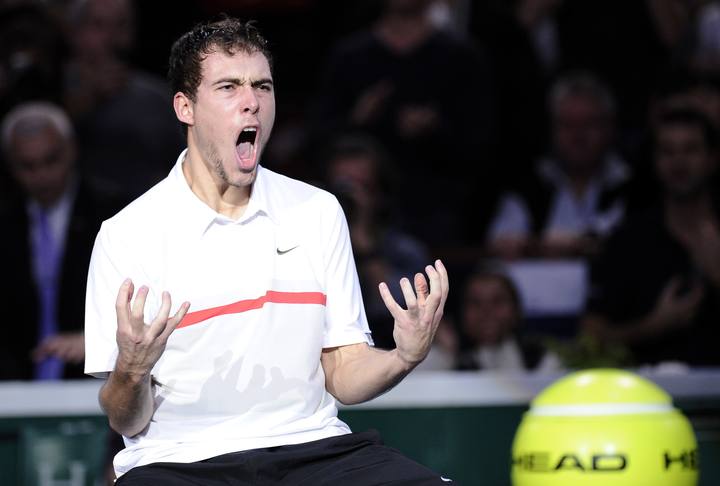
<point x="245" y="147"/>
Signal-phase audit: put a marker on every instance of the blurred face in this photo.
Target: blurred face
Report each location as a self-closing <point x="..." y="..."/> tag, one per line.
<point x="581" y="131"/>
<point x="232" y="115"/>
<point x="353" y="172"/>
<point x="683" y="162"/>
<point x="407" y="7"/>
<point x="105" y="28"/>
<point x="41" y="161"/>
<point x="489" y="313"/>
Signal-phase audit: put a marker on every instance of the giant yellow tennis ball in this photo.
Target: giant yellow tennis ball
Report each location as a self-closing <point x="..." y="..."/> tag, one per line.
<point x="604" y="427"/>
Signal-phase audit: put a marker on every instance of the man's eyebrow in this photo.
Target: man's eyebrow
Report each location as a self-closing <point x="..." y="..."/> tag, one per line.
<point x="237" y="81"/>
<point x="240" y="82"/>
<point x="262" y="81"/>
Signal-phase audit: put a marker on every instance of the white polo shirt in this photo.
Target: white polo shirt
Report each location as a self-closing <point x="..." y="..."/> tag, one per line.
<point x="268" y="292"/>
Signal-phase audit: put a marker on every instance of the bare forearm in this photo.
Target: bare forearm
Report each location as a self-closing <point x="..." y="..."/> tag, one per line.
<point x="127" y="400"/>
<point x="364" y="374"/>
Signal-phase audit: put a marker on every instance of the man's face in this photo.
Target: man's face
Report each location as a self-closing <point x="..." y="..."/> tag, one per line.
<point x="581" y="131"/>
<point x="233" y="115"/>
<point x="41" y="162"/>
<point x="683" y="162"/>
<point x="489" y="312"/>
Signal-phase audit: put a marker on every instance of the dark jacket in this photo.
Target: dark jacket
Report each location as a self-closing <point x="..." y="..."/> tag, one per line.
<point x="18" y="292"/>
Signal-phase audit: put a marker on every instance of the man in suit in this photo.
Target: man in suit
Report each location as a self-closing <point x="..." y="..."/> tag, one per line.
<point x="49" y="231"/>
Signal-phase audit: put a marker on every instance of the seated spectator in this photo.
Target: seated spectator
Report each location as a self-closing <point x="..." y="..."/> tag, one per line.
<point x="126" y="129"/>
<point x="357" y="171"/>
<point x="490" y="322"/>
<point x="425" y="95"/>
<point x="655" y="287"/>
<point x="52" y="228"/>
<point x="575" y="194"/>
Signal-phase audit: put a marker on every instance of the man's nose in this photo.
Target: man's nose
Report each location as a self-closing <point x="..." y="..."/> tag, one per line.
<point x="249" y="103"/>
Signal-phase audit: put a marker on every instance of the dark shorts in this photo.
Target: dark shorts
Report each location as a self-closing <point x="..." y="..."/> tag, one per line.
<point x="347" y="460"/>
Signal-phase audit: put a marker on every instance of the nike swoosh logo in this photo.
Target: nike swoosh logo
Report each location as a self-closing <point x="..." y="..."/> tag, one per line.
<point x="282" y="252"/>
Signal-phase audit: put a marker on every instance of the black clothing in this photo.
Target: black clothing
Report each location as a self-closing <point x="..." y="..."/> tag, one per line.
<point x="626" y="280"/>
<point x="443" y="73"/>
<point x="351" y="459"/>
<point x="18" y="292"/>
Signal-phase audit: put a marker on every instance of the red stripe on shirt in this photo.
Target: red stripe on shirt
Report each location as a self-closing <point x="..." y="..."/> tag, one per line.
<point x="271" y="296"/>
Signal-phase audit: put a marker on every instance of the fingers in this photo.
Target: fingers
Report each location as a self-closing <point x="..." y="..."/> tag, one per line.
<point x="411" y="301"/>
<point x="444" y="282"/>
<point x="40" y="352"/>
<point x="157" y="326"/>
<point x="176" y="319"/>
<point x="430" y="297"/>
<point x="422" y="289"/>
<point x="395" y="310"/>
<point x="435" y="296"/>
<point x="138" y="305"/>
<point x="66" y="347"/>
<point x="439" y="288"/>
<point x="122" y="303"/>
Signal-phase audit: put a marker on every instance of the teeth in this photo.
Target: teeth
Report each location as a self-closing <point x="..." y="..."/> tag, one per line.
<point x="250" y="129"/>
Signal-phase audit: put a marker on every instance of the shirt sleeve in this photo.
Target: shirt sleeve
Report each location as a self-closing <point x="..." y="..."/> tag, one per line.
<point x="345" y="321"/>
<point x="111" y="263"/>
<point x="104" y="280"/>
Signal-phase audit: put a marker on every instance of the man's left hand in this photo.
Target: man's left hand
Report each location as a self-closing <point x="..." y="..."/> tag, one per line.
<point x="415" y="326"/>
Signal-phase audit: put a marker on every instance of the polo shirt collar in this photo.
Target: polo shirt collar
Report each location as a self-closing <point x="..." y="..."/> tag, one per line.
<point x="197" y="216"/>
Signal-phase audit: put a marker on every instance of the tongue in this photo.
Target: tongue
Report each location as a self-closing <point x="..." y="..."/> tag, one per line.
<point x="244" y="152"/>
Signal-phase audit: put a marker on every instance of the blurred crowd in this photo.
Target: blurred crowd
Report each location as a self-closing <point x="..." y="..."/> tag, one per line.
<point x="560" y="156"/>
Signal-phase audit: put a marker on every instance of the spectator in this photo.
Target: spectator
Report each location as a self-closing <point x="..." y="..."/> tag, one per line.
<point x="52" y="227"/>
<point x="520" y="37"/>
<point x="612" y="38"/>
<point x="126" y="130"/>
<point x="491" y="319"/>
<point x="655" y="287"/>
<point x="359" y="173"/>
<point x="425" y="95"/>
<point x="575" y="194"/>
<point x="31" y="55"/>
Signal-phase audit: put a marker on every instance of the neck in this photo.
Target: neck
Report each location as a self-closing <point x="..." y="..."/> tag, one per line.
<point x="206" y="184"/>
<point x="580" y="178"/>
<point x="49" y="203"/>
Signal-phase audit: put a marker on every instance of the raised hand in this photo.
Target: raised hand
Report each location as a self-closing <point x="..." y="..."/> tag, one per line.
<point x="674" y="309"/>
<point x="415" y="326"/>
<point x="140" y="345"/>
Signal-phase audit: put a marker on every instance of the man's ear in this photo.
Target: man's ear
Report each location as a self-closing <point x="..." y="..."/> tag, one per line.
<point x="183" y="108"/>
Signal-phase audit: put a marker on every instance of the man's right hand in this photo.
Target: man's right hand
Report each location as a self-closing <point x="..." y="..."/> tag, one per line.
<point x="140" y="345"/>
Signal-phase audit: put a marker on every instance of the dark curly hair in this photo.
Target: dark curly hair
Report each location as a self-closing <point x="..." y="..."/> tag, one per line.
<point x="228" y="35"/>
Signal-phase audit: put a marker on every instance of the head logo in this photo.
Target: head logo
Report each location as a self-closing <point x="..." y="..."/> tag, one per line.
<point x="544" y="462"/>
<point x="686" y="460"/>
